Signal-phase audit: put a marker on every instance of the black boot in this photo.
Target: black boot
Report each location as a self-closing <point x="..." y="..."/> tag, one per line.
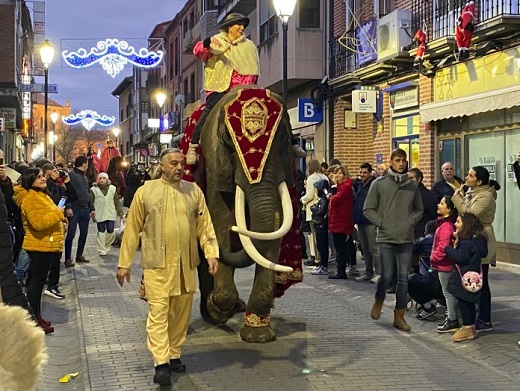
<point x="176" y="365"/>
<point x="163" y="375"/>
<point x="449" y="325"/>
<point x="340" y="274"/>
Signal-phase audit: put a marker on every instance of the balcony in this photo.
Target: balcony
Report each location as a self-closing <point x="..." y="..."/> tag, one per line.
<point x="493" y="19"/>
<point x="191" y="37"/>
<point x="244" y="7"/>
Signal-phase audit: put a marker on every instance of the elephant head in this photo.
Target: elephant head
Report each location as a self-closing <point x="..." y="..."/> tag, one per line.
<point x="248" y="159"/>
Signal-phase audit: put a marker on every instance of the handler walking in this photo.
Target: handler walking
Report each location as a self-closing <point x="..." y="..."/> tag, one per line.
<point x="172" y="216"/>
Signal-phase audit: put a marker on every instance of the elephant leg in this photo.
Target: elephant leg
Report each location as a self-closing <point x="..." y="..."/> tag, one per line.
<point x="223" y="301"/>
<point x="257" y="319"/>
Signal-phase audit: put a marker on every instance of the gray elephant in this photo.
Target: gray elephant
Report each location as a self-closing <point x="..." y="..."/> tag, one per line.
<point x="247" y="174"/>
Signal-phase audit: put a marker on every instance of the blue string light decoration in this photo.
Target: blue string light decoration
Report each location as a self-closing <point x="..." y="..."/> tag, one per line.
<point x="88" y="118"/>
<point x="113" y="55"/>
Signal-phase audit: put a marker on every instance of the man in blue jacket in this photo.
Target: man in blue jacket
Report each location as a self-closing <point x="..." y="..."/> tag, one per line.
<point x="366" y="230"/>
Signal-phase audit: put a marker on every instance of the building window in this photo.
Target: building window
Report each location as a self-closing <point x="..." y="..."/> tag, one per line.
<point x="405" y="135"/>
<point x="268" y="20"/>
<point x="384" y="7"/>
<point x="310" y="14"/>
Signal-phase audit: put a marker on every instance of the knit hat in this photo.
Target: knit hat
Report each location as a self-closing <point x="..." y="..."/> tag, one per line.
<point x="102" y="175"/>
<point x="234" y="18"/>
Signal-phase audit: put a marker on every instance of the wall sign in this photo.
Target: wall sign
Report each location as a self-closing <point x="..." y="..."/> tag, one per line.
<point x="404" y="99"/>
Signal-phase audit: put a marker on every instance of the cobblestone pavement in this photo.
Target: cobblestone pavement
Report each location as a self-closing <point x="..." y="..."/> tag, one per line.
<point x="326" y="340"/>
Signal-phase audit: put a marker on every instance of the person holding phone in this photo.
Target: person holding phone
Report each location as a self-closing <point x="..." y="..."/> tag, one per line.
<point x="44" y="225"/>
<point x="58" y="192"/>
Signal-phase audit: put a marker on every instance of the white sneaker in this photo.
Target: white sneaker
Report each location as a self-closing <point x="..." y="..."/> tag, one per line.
<point x="352" y="271"/>
<point x="102" y="253"/>
<point x="375" y="279"/>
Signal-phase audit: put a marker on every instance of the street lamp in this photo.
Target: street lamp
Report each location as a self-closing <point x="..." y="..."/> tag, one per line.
<point x="53" y="137"/>
<point x="46" y="54"/>
<point x="284" y="10"/>
<point x="160" y="98"/>
<point x="116" y="132"/>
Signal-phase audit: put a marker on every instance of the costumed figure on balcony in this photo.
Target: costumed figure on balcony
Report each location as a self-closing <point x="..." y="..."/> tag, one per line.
<point x="230" y="60"/>
<point x="464" y="30"/>
<point x="420" y="38"/>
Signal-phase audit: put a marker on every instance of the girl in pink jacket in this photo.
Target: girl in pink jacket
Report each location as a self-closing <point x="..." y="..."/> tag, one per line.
<point x="442" y="263"/>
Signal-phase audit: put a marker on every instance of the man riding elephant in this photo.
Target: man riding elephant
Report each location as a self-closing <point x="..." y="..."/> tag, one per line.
<point x="230" y="60"/>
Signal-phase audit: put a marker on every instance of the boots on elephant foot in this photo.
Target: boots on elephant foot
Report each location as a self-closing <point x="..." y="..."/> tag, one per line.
<point x="257" y="334"/>
<point x="399" y="322"/>
<point x="376" y="308"/>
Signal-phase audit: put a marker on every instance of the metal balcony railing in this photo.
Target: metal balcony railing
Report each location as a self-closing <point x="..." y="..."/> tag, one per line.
<point x="191" y="37"/>
<point x="342" y="60"/>
<point x="439" y="17"/>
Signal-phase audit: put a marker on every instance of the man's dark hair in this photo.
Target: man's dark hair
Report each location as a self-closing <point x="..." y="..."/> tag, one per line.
<point x="417" y="173"/>
<point x="48" y="167"/>
<point x="430" y="227"/>
<point x="41" y="162"/>
<point x="80" y="160"/>
<point x="324" y="165"/>
<point x="368" y="166"/>
<point x="398" y="152"/>
<point x="334" y="162"/>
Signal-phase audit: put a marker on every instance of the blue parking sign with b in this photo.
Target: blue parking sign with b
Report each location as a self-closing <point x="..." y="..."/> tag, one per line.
<point x="308" y="112"/>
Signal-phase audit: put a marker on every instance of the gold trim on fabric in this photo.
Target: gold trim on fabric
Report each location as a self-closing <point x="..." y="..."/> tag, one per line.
<point x="295" y="275"/>
<point x="249" y="170"/>
<point x="253" y="320"/>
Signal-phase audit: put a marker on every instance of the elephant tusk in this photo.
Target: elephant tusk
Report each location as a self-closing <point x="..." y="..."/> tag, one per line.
<point x="287" y="211"/>
<point x="259" y="258"/>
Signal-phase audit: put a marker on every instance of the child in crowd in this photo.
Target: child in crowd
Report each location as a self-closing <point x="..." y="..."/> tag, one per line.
<point x="467" y="252"/>
<point x="423" y="287"/>
<point x="441" y="262"/>
<point x="108" y="207"/>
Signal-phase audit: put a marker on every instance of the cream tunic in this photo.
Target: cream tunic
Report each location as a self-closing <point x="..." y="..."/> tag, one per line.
<point x="172" y="218"/>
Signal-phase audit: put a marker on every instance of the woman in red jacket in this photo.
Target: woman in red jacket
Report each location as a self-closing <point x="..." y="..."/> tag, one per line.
<point x="341" y="221"/>
<point x="442" y="263"/>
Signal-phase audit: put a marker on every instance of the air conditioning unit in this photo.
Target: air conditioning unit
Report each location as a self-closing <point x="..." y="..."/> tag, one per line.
<point x="393" y="35"/>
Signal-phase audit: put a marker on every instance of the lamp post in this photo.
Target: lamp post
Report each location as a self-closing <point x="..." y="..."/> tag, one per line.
<point x="116" y="132"/>
<point x="53" y="137"/>
<point x="284" y="10"/>
<point x="160" y="98"/>
<point x="46" y="54"/>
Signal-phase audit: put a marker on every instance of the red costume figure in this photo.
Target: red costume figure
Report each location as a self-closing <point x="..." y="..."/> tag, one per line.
<point x="464" y="30"/>
<point x="420" y="38"/>
<point x="107" y="154"/>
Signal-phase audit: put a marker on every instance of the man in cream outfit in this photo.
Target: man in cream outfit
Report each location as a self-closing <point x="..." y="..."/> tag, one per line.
<point x="173" y="218"/>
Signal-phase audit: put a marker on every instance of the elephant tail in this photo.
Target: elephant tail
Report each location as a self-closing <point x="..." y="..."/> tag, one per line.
<point x="237" y="260"/>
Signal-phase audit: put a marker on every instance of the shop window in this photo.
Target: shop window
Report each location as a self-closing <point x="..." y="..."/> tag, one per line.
<point x="310" y="14"/>
<point x="450" y="151"/>
<point x="268" y="20"/>
<point x="405" y="132"/>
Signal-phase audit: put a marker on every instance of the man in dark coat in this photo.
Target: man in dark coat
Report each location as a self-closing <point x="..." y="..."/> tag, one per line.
<point x="448" y="184"/>
<point x="428" y="199"/>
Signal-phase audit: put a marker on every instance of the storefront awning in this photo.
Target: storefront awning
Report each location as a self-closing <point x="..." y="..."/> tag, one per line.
<point x="469" y="105"/>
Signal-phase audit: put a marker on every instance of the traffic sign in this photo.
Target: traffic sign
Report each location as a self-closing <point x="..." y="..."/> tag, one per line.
<point x="36" y="87"/>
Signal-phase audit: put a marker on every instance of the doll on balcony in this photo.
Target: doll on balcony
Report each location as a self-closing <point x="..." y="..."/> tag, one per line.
<point x="464" y="30"/>
<point x="420" y="38"/>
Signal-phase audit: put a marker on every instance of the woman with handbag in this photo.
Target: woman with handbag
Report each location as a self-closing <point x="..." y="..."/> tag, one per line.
<point x="465" y="280"/>
<point x="480" y="200"/>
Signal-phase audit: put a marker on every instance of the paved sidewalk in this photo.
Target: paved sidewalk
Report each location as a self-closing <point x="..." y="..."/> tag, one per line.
<point x="326" y="340"/>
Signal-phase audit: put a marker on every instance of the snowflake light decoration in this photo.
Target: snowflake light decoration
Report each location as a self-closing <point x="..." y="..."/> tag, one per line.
<point x="88" y="118"/>
<point x="113" y="55"/>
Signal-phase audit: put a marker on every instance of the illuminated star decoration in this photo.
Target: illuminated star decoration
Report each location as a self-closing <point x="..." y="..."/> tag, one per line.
<point x="113" y="55"/>
<point x="88" y="119"/>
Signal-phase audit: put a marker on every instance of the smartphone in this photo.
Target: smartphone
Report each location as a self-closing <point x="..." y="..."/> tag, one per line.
<point x="62" y="202"/>
<point x="1" y="161"/>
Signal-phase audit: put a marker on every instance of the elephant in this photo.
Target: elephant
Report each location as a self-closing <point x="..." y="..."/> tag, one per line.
<point x="246" y="179"/>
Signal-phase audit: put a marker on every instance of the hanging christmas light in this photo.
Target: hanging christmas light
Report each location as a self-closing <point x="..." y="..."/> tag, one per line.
<point x="88" y="118"/>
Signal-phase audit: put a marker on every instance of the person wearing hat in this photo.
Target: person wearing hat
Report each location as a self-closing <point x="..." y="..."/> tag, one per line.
<point x="107" y="154"/>
<point x="230" y="60"/>
<point x="108" y="207"/>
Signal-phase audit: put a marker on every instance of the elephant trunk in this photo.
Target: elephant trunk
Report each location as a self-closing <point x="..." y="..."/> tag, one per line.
<point x="262" y="203"/>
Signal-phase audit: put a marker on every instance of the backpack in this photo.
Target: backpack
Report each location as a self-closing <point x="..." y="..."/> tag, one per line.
<point x="320" y="209"/>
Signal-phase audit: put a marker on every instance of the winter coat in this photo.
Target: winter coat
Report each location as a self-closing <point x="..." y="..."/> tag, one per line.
<point x="341" y="205"/>
<point x="311" y="195"/>
<point x="42" y="221"/>
<point x="10" y="289"/>
<point x="360" y="194"/>
<point x="467" y="256"/>
<point x="430" y="210"/>
<point x="80" y="183"/>
<point x="443" y="188"/>
<point x="443" y="235"/>
<point x="57" y="191"/>
<point x="394" y="205"/>
<point x="516" y="169"/>
<point x="482" y="203"/>
<point x="106" y="202"/>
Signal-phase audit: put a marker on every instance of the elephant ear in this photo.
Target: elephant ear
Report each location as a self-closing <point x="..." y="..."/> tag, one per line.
<point x="217" y="148"/>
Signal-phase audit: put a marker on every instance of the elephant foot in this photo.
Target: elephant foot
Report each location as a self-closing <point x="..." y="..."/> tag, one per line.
<point x="240" y="306"/>
<point x="215" y="314"/>
<point x="257" y="329"/>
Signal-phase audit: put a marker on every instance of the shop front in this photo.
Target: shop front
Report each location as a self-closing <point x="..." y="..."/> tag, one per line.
<point x="477" y="115"/>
